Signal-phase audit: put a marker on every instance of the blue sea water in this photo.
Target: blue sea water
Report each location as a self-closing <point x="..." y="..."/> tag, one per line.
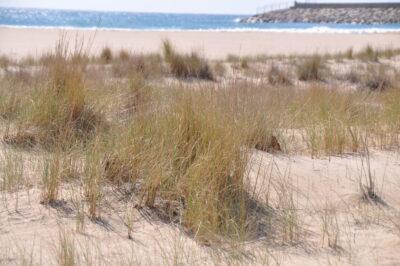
<point x="46" y="18"/>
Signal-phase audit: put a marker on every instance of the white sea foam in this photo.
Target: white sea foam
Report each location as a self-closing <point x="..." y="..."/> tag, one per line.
<point x="315" y="29"/>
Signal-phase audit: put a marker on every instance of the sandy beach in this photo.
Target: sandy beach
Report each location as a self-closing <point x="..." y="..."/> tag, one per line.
<point x="17" y="42"/>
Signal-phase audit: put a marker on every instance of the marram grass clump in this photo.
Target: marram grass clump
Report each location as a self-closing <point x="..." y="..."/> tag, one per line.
<point x="200" y="166"/>
<point x="312" y="68"/>
<point x="186" y="65"/>
<point x="188" y="160"/>
<point x="59" y="113"/>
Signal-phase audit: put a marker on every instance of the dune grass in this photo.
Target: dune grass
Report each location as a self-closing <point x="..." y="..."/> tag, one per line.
<point x="59" y="113"/>
<point x="277" y="76"/>
<point x="106" y="55"/>
<point x="182" y="150"/>
<point x="377" y="78"/>
<point x="186" y="65"/>
<point x="312" y="68"/>
<point x="198" y="147"/>
<point x="368" y="54"/>
<point x="150" y="66"/>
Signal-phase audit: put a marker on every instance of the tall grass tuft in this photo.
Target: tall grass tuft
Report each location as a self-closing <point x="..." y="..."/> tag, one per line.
<point x="106" y="55"/>
<point x="312" y="68"/>
<point x="10" y="106"/>
<point x="186" y="65"/>
<point x="5" y="61"/>
<point x="93" y="180"/>
<point x="377" y="78"/>
<point x="186" y="156"/>
<point x="59" y="112"/>
<point x="368" y="54"/>
<point x="12" y="178"/>
<point x="277" y="76"/>
<point x="67" y="253"/>
<point x="150" y="66"/>
<point x="332" y="121"/>
<point x="201" y="166"/>
<point x="349" y="54"/>
<point x="51" y="179"/>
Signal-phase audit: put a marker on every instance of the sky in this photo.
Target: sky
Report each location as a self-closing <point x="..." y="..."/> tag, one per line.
<point x="167" y="6"/>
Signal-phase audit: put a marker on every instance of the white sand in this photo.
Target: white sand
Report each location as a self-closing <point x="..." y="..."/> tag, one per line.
<point x="22" y="42"/>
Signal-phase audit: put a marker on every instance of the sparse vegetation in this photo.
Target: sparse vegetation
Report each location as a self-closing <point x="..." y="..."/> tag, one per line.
<point x="222" y="161"/>
<point x="12" y="178"/>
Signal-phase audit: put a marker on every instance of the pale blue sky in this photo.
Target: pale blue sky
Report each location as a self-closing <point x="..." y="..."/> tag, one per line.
<point x="170" y="6"/>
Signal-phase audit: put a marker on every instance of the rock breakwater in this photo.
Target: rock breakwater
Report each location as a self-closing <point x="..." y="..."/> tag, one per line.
<point x="350" y="15"/>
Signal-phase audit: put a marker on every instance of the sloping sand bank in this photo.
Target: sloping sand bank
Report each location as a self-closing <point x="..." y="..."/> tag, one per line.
<point x="23" y="42"/>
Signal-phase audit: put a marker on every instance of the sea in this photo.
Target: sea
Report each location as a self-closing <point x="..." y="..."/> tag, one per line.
<point x="105" y="20"/>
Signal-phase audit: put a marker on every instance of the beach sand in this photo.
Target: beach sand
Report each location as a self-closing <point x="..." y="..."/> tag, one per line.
<point x="20" y="42"/>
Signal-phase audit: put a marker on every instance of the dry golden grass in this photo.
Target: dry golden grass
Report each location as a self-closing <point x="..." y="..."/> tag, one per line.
<point x="312" y="68"/>
<point x="58" y="113"/>
<point x="368" y="54"/>
<point x="186" y="66"/>
<point x="150" y="66"/>
<point x="4" y="61"/>
<point x="277" y="76"/>
<point x="106" y="55"/>
<point x="182" y="149"/>
<point x="377" y="78"/>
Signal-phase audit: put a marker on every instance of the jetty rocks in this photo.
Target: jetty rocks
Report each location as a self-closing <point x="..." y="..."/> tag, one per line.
<point x="388" y="13"/>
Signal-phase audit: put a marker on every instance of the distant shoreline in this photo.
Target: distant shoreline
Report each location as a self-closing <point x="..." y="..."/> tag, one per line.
<point x="314" y="28"/>
<point x="20" y="42"/>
